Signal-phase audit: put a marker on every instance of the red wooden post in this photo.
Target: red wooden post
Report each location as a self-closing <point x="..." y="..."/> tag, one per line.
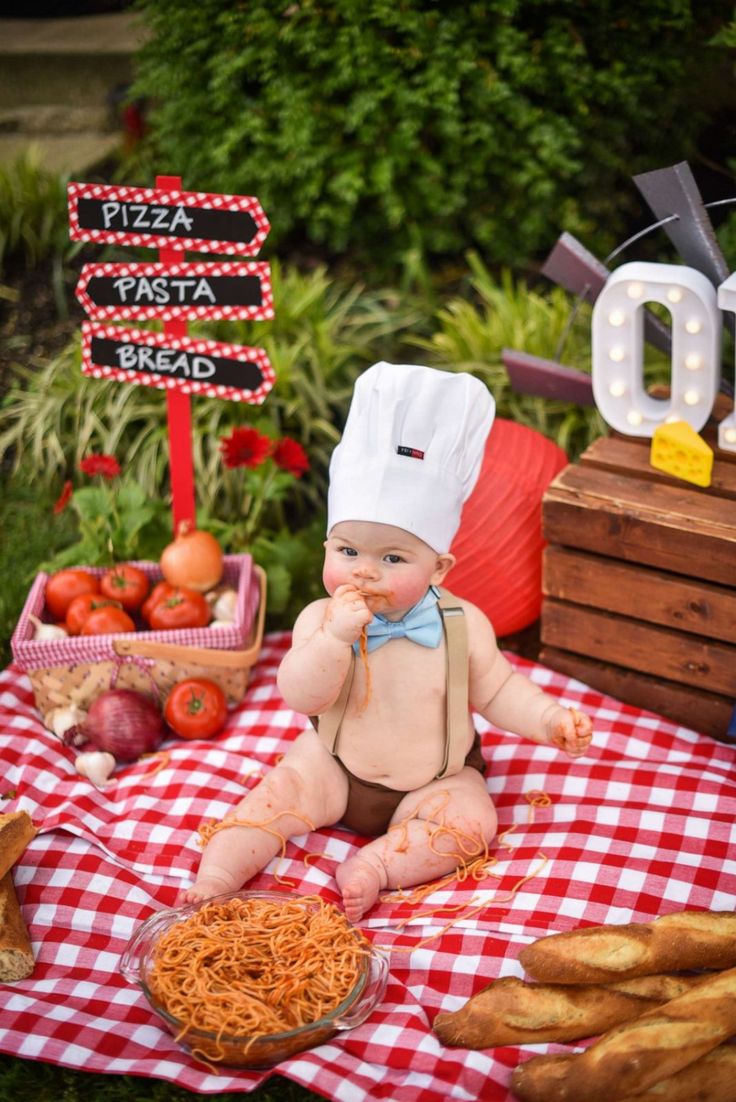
<point x="178" y="408"/>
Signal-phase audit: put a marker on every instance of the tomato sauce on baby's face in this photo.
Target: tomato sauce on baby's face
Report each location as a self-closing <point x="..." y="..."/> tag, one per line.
<point x="391" y="568"/>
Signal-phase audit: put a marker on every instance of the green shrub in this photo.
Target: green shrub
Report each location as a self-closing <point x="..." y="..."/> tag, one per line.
<point x="374" y="128"/>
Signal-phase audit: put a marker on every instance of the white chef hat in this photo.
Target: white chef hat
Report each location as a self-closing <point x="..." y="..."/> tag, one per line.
<point x="411" y="451"/>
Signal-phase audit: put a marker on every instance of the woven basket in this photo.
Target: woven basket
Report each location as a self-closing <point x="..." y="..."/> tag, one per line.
<point x="76" y="670"/>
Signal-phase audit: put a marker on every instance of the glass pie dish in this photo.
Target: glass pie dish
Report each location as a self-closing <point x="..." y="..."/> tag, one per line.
<point x="242" y="1050"/>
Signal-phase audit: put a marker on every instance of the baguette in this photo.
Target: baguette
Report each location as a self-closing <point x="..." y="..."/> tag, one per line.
<point x="599" y="954"/>
<point x="634" y="1057"/>
<point x="712" y="1078"/>
<point x="16" y="831"/>
<point x="510" y="1011"/>
<point x="16" y="955"/>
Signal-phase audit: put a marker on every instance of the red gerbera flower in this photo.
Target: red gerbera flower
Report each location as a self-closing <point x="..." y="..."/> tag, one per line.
<point x="291" y="456"/>
<point x="106" y="465"/>
<point x="64" y="498"/>
<point x="245" y="448"/>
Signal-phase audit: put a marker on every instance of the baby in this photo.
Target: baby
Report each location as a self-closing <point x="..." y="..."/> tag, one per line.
<point x="389" y="666"/>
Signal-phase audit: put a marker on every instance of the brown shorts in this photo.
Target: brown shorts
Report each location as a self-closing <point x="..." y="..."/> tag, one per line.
<point x="370" y="805"/>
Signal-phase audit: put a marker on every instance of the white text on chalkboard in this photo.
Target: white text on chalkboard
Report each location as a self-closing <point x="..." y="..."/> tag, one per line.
<point x="163" y="290"/>
<point x="137" y="357"/>
<point x="141" y="216"/>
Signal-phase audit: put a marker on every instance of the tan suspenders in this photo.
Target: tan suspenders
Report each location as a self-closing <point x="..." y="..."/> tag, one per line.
<point x="456" y="653"/>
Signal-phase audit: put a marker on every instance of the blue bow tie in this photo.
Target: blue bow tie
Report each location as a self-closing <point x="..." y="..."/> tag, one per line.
<point x="422" y="624"/>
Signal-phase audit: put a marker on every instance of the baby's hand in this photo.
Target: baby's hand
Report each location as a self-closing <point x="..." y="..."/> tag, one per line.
<point x="570" y="730"/>
<point x="346" y="614"/>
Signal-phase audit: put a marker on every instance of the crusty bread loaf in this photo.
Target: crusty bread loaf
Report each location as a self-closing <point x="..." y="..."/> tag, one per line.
<point x="599" y="954"/>
<point x="633" y="1057"/>
<point x="712" y="1078"/>
<point x="510" y="1011"/>
<point x="16" y="831"/>
<point x="16" y="955"/>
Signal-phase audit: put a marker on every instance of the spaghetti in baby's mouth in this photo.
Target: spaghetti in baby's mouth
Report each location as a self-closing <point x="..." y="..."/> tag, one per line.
<point x="377" y="599"/>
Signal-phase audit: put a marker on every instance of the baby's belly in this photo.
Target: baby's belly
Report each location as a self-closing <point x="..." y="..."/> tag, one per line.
<point x="401" y="748"/>
<point x="393" y="732"/>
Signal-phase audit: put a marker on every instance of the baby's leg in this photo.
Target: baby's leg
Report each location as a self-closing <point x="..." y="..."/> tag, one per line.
<point x="418" y="852"/>
<point x="306" y="787"/>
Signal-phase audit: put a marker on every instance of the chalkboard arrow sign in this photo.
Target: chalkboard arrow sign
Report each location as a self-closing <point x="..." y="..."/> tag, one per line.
<point x="160" y="219"/>
<point x="186" y="291"/>
<point x="192" y="366"/>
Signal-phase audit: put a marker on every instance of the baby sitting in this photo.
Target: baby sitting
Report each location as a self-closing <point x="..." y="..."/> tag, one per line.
<point x="389" y="665"/>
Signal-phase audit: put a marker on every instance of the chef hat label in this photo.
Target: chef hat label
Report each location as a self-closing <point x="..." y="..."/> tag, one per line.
<point x="411" y="451"/>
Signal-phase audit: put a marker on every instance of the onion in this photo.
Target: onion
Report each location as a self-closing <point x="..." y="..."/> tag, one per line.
<point x="193" y="560"/>
<point x="125" y="723"/>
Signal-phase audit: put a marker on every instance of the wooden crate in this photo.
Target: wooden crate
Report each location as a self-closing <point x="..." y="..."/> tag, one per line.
<point x="639" y="583"/>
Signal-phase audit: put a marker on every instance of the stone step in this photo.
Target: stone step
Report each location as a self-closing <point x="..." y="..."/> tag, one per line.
<point x="60" y="86"/>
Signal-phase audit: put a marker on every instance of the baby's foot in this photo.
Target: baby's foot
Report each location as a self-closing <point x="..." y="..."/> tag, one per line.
<point x="360" y="882"/>
<point x="204" y="889"/>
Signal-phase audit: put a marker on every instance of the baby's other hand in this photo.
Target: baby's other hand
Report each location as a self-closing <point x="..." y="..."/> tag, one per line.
<point x="570" y="730"/>
<point x="346" y="614"/>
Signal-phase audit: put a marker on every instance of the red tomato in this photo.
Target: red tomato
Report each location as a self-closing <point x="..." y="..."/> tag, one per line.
<point x="127" y="584"/>
<point x="160" y="592"/>
<point x="81" y="607"/>
<point x="196" y="708"/>
<point x="107" y="621"/>
<point x="64" y="586"/>
<point x="182" y="608"/>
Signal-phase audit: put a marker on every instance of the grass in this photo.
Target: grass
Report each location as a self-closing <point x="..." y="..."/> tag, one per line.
<point x="48" y="1083"/>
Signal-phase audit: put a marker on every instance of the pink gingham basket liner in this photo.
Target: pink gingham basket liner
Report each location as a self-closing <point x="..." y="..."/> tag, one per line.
<point x="32" y="655"/>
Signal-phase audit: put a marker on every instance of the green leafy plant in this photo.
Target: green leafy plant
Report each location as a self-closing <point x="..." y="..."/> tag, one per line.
<point x="33" y="212"/>
<point x="373" y="129"/>
<point x="494" y="313"/>
<point x="117" y="520"/>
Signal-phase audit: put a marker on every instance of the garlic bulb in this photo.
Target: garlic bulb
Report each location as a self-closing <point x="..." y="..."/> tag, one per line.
<point x="46" y="631"/>
<point x="220" y="624"/>
<point x="225" y="606"/>
<point x="60" y="721"/>
<point x="96" y="765"/>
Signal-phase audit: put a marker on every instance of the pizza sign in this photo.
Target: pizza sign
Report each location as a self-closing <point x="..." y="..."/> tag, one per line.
<point x="159" y="219"/>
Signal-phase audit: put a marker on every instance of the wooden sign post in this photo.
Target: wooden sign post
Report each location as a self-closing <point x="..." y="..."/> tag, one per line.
<point x="173" y="291"/>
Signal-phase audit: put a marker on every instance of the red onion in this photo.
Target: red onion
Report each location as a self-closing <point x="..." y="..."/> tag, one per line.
<point x="125" y="723"/>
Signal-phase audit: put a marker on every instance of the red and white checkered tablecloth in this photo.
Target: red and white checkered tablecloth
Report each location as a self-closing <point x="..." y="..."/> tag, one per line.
<point x="643" y="825"/>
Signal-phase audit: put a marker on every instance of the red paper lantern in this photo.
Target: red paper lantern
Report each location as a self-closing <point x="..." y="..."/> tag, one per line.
<point x="499" y="543"/>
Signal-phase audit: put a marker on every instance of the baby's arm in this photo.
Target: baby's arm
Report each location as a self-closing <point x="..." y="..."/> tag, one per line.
<point x="512" y="702"/>
<point x="312" y="672"/>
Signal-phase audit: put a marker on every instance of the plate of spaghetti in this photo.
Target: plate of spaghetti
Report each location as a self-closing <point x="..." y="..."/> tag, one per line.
<point x="249" y="978"/>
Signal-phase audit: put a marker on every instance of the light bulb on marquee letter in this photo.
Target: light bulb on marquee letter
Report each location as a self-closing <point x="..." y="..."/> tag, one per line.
<point x="618" y="347"/>
<point x="727" y="427"/>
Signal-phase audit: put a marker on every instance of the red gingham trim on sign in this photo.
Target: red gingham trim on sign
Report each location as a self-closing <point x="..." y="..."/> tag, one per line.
<point x="189" y="270"/>
<point x="158" y="197"/>
<point x="192" y="345"/>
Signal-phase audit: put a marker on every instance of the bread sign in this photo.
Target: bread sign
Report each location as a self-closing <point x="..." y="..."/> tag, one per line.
<point x="193" y="366"/>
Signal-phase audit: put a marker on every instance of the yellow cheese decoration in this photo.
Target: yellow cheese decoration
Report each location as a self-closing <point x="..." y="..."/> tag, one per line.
<point x="680" y="451"/>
